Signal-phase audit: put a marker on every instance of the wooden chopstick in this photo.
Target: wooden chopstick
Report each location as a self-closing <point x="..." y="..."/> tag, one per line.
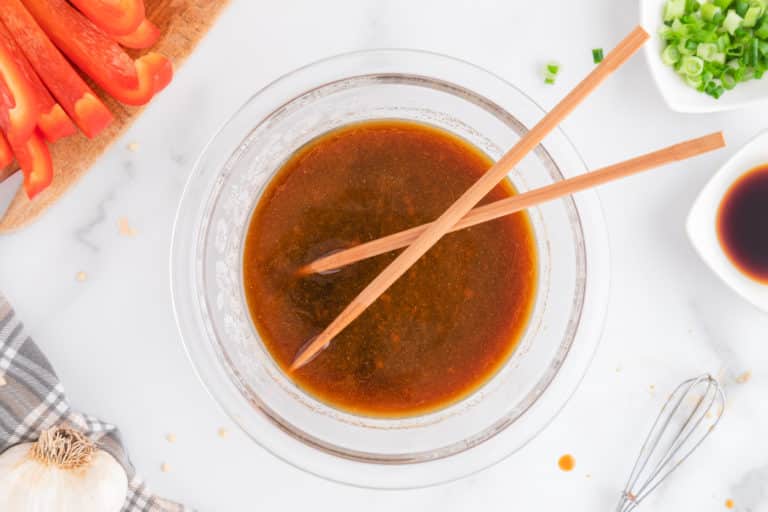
<point x="618" y="56"/>
<point x="676" y="152"/>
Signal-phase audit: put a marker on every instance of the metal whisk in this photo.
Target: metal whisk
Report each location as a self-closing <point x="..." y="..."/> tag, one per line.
<point x="686" y="419"/>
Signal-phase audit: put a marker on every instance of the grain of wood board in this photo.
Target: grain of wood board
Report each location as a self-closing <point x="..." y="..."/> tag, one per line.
<point x="184" y="23"/>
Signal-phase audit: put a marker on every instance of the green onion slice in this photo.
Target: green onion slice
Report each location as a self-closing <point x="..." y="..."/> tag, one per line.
<point x="692" y="66"/>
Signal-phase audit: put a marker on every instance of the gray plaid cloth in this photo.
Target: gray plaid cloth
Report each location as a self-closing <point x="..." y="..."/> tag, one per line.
<point x="32" y="400"/>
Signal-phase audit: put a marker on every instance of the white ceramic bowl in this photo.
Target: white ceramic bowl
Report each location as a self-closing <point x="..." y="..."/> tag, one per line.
<point x="702" y="221"/>
<point x="679" y="96"/>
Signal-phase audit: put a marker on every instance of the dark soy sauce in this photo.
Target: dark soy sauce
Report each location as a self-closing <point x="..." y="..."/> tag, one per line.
<point x="742" y="224"/>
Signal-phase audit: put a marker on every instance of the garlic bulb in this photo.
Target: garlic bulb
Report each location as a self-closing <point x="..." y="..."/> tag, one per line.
<point x="62" y="472"/>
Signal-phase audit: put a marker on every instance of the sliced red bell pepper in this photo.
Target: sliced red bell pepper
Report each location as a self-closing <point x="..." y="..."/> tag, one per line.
<point x="21" y="101"/>
<point x="53" y="122"/>
<point x="100" y="57"/>
<point x="6" y="153"/>
<point x="87" y="47"/>
<point x="155" y="73"/>
<point x="36" y="164"/>
<point x="6" y="99"/>
<point x="73" y="94"/>
<point x="115" y="17"/>
<point x="145" y="36"/>
<point x="56" y="124"/>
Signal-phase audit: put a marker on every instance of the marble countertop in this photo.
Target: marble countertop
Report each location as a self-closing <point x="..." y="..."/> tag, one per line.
<point x="90" y="278"/>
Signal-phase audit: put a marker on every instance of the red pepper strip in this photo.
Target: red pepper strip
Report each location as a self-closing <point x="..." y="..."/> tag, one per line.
<point x="36" y="164"/>
<point x="115" y="17"/>
<point x="89" y="48"/>
<point x="155" y="73"/>
<point x="56" y="124"/>
<point x="21" y="101"/>
<point x="53" y="122"/>
<point x="6" y="153"/>
<point x="144" y="36"/>
<point x="72" y="93"/>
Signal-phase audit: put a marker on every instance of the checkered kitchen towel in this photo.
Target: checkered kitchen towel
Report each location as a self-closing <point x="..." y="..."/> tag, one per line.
<point x="32" y="400"/>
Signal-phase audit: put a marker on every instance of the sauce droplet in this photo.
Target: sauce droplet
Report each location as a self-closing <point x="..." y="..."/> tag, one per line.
<point x="566" y="462"/>
<point x="729" y="503"/>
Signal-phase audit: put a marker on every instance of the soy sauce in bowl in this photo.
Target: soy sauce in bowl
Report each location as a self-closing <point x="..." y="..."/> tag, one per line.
<point x="742" y="224"/>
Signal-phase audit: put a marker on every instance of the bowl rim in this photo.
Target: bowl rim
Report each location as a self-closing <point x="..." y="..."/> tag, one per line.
<point x="595" y="292"/>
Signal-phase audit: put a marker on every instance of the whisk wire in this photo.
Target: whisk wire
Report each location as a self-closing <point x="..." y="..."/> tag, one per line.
<point x="661" y="451"/>
<point x="652" y="440"/>
<point x="679" y="440"/>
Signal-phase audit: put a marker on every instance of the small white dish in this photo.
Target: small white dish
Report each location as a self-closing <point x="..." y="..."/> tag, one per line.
<point x="702" y="221"/>
<point x="679" y="96"/>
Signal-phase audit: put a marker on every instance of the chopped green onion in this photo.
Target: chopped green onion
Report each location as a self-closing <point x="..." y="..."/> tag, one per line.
<point x="670" y="55"/>
<point x="597" y="55"/>
<point x="755" y="52"/>
<point x="762" y="30"/>
<point x="732" y="22"/>
<point x="692" y="66"/>
<point x="708" y="11"/>
<point x="678" y="28"/>
<point x="753" y="14"/>
<point x="728" y="80"/>
<point x="706" y="51"/>
<point x="550" y="72"/>
<point x="715" y="44"/>
<point x="723" y="42"/>
<point x="674" y="9"/>
<point x="693" y="81"/>
<point x="553" y="68"/>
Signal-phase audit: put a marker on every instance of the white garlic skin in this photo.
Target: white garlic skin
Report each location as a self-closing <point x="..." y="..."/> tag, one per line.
<point x="27" y="485"/>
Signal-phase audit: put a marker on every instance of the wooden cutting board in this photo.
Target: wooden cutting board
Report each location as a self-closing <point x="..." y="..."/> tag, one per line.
<point x="184" y="23"/>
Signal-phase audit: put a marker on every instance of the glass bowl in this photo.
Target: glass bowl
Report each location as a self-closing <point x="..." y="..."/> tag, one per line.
<point x="209" y="303"/>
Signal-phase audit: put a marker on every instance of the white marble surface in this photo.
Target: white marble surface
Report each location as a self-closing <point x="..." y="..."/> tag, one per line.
<point x="113" y="340"/>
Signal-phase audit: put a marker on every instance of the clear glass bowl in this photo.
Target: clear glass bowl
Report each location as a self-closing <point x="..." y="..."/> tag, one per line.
<point x="225" y="348"/>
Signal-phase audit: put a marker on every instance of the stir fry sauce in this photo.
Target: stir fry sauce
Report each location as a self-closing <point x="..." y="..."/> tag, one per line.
<point x="444" y="328"/>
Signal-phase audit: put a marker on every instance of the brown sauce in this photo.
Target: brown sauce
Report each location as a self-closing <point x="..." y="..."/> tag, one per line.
<point x="445" y="327"/>
<point x="742" y="224"/>
<point x="566" y="462"/>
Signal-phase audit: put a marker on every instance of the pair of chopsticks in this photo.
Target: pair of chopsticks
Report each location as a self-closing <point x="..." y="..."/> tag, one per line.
<point x="420" y="239"/>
